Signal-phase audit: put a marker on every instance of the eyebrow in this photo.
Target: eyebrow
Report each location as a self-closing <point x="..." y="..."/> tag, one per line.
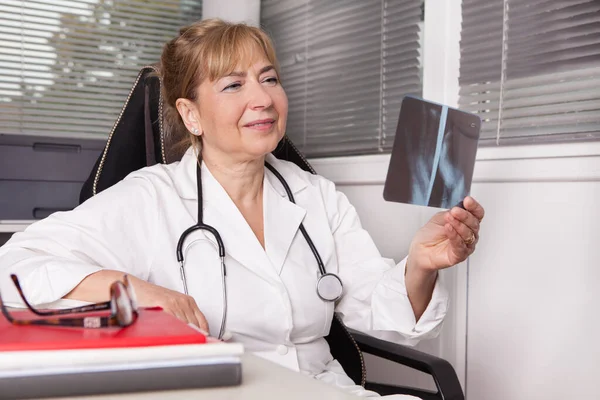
<point x="243" y="74"/>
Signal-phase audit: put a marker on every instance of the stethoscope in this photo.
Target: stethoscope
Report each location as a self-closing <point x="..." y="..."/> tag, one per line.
<point x="329" y="286"/>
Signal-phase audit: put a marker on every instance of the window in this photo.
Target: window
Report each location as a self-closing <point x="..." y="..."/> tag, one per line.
<point x="345" y="67"/>
<point x="531" y="69"/>
<point x="66" y="66"/>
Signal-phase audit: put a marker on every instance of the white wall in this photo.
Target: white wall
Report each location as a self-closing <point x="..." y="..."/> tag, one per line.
<point x="533" y="318"/>
<point x="247" y="11"/>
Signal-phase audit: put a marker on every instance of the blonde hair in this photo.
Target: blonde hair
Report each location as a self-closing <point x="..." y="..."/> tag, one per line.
<point x="208" y="49"/>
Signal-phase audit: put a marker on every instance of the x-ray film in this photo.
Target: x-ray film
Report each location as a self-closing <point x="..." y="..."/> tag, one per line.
<point x="433" y="155"/>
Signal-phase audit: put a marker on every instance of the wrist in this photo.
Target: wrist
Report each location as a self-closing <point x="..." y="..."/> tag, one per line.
<point x="417" y="272"/>
<point x="420" y="283"/>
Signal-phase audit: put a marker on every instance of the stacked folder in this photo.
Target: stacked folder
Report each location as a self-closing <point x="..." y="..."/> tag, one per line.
<point x="157" y="352"/>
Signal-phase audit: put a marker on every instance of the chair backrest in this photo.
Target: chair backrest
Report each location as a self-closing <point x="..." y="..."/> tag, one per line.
<point x="137" y="140"/>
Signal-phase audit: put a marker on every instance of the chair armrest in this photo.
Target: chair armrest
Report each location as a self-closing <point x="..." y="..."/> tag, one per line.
<point x="443" y="373"/>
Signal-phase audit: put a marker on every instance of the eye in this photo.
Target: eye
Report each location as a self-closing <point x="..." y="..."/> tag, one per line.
<point x="232" y="87"/>
<point x="272" y="80"/>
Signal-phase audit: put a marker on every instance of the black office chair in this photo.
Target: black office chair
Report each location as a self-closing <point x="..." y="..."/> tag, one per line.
<point x="137" y="140"/>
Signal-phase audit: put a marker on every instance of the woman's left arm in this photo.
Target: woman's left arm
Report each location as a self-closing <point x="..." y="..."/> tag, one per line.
<point x="446" y="240"/>
<point x="376" y="296"/>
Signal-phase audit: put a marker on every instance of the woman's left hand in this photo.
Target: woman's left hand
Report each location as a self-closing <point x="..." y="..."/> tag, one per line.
<point x="448" y="238"/>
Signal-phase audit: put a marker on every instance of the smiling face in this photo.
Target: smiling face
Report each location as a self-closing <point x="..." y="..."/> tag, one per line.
<point x="221" y="91"/>
<point x="241" y="116"/>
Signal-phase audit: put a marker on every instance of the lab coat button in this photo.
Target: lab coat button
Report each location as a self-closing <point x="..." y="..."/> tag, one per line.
<point x="281" y="349"/>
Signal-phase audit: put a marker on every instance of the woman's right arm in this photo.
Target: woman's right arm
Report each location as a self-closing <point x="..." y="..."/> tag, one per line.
<point x="78" y="254"/>
<point x="112" y="232"/>
<point x="180" y="305"/>
<point x="95" y="288"/>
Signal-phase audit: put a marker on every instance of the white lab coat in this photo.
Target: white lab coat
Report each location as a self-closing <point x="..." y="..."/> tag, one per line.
<point x="273" y="308"/>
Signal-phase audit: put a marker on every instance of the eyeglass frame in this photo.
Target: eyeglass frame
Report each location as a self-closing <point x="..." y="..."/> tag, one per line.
<point x="118" y="290"/>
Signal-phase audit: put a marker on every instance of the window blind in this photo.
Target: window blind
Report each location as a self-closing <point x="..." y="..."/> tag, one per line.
<point x="66" y="66"/>
<point x="531" y="69"/>
<point x="345" y="68"/>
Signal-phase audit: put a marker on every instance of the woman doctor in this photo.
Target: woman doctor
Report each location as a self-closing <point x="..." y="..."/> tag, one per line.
<point x="221" y="86"/>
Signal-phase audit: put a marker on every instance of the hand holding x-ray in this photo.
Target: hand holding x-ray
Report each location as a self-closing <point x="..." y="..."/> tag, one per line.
<point x="448" y="238"/>
<point x="432" y="165"/>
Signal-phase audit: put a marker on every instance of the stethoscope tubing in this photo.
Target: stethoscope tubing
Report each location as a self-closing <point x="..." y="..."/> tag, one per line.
<point x="200" y="225"/>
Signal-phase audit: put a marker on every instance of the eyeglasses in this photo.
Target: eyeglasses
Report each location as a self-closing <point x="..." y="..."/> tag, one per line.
<point x="122" y="303"/>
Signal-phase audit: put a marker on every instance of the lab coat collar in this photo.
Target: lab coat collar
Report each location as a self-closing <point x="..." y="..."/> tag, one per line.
<point x="282" y="218"/>
<point x="186" y="175"/>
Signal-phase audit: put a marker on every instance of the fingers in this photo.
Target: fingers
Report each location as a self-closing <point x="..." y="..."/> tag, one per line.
<point x="174" y="307"/>
<point x="190" y="316"/>
<point x="202" y="323"/>
<point x="185" y="309"/>
<point x="466" y="218"/>
<point x="457" y="242"/>
<point x="180" y="314"/>
<point x="193" y="314"/>
<point x="472" y="206"/>
<point x="467" y="221"/>
<point x="467" y="232"/>
<point x="180" y="305"/>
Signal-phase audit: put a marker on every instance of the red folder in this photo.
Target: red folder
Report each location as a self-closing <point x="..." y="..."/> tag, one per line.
<point x="153" y="327"/>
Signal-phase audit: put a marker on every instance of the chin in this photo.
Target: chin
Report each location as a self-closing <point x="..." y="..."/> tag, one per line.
<point x="260" y="147"/>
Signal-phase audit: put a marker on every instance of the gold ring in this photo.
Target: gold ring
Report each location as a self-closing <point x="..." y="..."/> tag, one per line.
<point x="470" y="240"/>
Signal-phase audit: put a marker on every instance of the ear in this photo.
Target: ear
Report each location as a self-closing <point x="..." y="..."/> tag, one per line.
<point x="189" y="113"/>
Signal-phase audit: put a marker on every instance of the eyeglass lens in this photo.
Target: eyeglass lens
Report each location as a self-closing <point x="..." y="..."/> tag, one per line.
<point x="121" y="305"/>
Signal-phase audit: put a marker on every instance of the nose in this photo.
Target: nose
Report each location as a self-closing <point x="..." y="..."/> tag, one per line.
<point x="259" y="97"/>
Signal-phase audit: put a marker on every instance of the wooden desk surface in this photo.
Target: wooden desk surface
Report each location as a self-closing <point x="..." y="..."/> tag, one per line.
<point x="261" y="379"/>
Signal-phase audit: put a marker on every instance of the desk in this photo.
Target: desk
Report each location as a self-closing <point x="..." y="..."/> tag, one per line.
<point x="261" y="379"/>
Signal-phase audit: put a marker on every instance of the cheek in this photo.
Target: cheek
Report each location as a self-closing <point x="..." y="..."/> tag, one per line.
<point x="226" y="115"/>
<point x="283" y="102"/>
<point x="281" y="105"/>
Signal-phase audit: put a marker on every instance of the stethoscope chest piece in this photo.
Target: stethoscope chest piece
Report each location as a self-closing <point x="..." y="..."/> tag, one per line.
<point x="329" y="287"/>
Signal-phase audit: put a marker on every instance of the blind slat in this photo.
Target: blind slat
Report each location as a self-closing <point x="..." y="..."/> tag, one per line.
<point x="32" y="112"/>
<point x="74" y="104"/>
<point x="55" y="128"/>
<point x="545" y="124"/>
<point x="90" y="17"/>
<point x="99" y="75"/>
<point x="36" y="30"/>
<point x="84" y="42"/>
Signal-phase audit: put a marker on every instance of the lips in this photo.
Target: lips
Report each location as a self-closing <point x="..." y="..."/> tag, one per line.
<point x="260" y="123"/>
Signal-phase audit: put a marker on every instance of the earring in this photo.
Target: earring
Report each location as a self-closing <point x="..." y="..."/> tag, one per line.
<point x="195" y="131"/>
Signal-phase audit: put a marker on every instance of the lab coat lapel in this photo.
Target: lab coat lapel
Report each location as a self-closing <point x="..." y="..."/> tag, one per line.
<point x="282" y="220"/>
<point x="240" y="242"/>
